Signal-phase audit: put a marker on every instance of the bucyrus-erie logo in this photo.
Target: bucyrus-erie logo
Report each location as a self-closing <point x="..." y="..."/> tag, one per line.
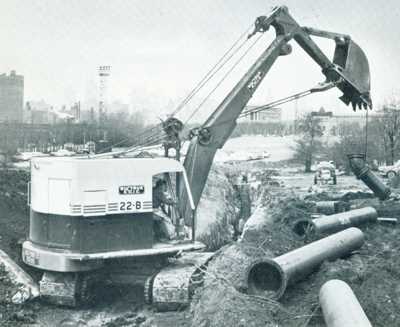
<point x="131" y="189"/>
<point x="254" y="82"/>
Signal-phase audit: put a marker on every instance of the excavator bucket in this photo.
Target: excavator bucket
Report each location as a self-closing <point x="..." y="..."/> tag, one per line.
<point x="354" y="70"/>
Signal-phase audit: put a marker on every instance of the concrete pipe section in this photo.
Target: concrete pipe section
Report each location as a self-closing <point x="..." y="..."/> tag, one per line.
<point x="331" y="207"/>
<point x="340" y="306"/>
<point x="270" y="277"/>
<point x="363" y="172"/>
<point x="337" y="222"/>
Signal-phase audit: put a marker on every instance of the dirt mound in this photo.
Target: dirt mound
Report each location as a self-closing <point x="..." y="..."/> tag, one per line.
<point x="216" y="211"/>
<point x="223" y="300"/>
<point x="219" y="302"/>
<point x="273" y="228"/>
<point x="10" y="314"/>
<point x="339" y="196"/>
<point x="14" y="216"/>
<point x="226" y="307"/>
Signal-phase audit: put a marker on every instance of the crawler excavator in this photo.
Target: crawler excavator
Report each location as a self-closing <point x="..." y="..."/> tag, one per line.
<point x="86" y="213"/>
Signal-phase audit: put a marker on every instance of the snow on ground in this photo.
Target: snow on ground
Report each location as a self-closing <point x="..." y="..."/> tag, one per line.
<point x="248" y="147"/>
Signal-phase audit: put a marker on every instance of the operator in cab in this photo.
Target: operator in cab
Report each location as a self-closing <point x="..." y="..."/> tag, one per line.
<point x="163" y="226"/>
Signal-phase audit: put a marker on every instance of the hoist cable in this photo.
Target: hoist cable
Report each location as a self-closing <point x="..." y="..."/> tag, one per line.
<point x="276" y="103"/>
<point x="281" y="101"/>
<point x="222" y="80"/>
<point x="136" y="136"/>
<point x="215" y="69"/>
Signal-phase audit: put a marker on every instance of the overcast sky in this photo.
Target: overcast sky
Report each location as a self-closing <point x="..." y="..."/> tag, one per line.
<point x="162" y="48"/>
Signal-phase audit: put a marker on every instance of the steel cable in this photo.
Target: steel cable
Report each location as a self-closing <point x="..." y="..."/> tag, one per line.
<point x="214" y="70"/>
<point x="222" y="79"/>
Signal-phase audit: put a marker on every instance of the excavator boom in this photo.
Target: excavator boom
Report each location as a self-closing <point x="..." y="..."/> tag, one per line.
<point x="349" y="71"/>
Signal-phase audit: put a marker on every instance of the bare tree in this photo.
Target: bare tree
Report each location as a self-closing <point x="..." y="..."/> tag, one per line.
<point x="389" y="126"/>
<point x="308" y="145"/>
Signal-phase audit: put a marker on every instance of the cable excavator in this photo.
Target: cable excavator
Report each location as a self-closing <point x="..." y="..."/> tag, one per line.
<point x="94" y="214"/>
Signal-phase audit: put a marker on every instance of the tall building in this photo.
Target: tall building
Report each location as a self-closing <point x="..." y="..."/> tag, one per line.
<point x="11" y="97"/>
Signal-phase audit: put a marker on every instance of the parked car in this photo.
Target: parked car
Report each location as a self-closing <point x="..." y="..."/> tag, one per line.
<point x="26" y="156"/>
<point x="62" y="153"/>
<point x="390" y="171"/>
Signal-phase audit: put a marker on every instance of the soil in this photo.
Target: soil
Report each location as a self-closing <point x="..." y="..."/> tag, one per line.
<point x="373" y="273"/>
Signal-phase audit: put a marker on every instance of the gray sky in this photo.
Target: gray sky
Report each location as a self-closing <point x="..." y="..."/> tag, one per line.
<point x="160" y="49"/>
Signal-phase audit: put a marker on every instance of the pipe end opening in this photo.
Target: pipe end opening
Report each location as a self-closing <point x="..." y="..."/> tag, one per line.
<point x="267" y="279"/>
<point x="304" y="227"/>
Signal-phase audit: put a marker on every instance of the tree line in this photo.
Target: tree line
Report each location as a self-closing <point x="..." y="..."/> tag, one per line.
<point x="378" y="137"/>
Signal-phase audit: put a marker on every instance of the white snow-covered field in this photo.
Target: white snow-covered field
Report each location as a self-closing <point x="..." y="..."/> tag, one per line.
<point x="267" y="148"/>
<point x="272" y="148"/>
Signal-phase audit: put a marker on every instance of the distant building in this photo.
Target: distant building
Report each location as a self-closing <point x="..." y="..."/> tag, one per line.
<point x="11" y="97"/>
<point x="39" y="112"/>
<point x="272" y="115"/>
<point x="331" y="122"/>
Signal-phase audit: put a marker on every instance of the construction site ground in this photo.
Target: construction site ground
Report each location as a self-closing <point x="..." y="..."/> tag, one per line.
<point x="373" y="273"/>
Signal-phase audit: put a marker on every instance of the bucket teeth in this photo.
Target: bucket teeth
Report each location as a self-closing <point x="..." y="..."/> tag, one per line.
<point x="357" y="101"/>
<point x="345" y="99"/>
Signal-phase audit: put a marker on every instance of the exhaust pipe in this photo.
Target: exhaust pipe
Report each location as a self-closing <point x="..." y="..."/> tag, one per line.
<point x="270" y="277"/>
<point x="363" y="172"/>
<point x="334" y="223"/>
<point x="340" y="306"/>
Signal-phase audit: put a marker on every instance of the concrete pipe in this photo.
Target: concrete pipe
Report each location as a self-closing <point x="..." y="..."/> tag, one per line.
<point x="363" y="172"/>
<point x="337" y="222"/>
<point x="340" y="306"/>
<point x="270" y="277"/>
<point x="331" y="207"/>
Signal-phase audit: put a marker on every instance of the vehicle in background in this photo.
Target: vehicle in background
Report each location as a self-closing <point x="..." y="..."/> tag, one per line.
<point x="62" y="153"/>
<point x="26" y="156"/>
<point x="258" y="155"/>
<point x="325" y="173"/>
<point x="390" y="171"/>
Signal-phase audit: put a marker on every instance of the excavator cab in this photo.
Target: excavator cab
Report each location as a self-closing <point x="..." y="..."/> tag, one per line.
<point x="79" y="218"/>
